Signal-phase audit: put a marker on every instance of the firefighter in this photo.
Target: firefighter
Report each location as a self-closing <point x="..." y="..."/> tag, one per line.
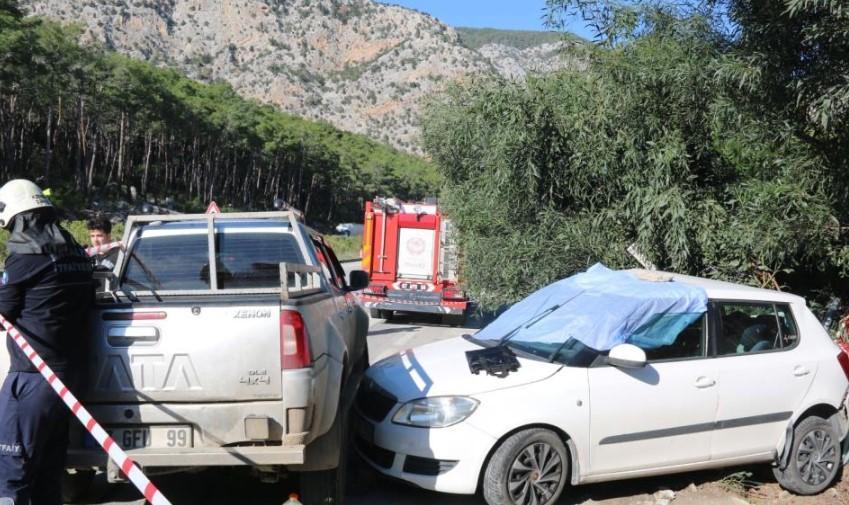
<point x="100" y="233"/>
<point x="46" y="291"/>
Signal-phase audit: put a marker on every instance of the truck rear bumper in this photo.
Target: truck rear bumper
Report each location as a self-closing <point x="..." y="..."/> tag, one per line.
<point x="414" y="307"/>
<point x="198" y="457"/>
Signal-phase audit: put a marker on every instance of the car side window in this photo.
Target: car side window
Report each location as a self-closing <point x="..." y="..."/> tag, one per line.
<point x="336" y="266"/>
<point x="665" y="340"/>
<point x="326" y="262"/>
<point x="750" y="327"/>
<point x="786" y="326"/>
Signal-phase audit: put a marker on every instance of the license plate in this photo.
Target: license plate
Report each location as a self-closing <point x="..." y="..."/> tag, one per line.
<point x="153" y="437"/>
<point x="364" y="429"/>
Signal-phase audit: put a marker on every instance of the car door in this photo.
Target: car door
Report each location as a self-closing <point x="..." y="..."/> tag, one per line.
<point x="344" y="319"/>
<point x="656" y="416"/>
<point x="763" y="376"/>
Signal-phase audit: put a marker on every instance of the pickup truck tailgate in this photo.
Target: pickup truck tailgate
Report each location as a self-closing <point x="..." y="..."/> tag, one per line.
<point x="193" y="352"/>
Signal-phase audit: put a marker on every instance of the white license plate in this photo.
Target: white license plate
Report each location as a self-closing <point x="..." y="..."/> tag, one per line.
<point x="155" y="437"/>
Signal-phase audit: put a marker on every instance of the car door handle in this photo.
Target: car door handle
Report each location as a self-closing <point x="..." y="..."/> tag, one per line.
<point x="800" y="371"/>
<point x="704" y="382"/>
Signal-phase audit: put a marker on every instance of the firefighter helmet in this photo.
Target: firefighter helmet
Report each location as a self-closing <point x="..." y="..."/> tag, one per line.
<point x="20" y="195"/>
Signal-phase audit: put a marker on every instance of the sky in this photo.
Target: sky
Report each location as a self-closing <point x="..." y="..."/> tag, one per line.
<point x="507" y="14"/>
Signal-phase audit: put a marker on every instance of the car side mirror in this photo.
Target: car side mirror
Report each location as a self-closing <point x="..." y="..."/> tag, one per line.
<point x="357" y="279"/>
<point x="627" y="356"/>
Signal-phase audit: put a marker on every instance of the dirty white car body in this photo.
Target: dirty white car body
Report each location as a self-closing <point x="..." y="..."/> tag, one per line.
<point x="614" y="422"/>
<point x="247" y="360"/>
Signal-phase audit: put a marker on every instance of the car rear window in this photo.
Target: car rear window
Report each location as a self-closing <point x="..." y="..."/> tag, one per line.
<point x="252" y="260"/>
<point x="244" y="259"/>
<point x="173" y="262"/>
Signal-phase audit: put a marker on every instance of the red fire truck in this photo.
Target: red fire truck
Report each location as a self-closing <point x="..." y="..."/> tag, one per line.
<point x="411" y="258"/>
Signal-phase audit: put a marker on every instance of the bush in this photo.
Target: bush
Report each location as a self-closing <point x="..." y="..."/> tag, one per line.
<point x="76" y="228"/>
<point x="646" y="146"/>
<point x="346" y="248"/>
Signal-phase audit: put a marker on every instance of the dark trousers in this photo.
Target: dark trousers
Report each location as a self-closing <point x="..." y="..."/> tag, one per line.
<point x="33" y="440"/>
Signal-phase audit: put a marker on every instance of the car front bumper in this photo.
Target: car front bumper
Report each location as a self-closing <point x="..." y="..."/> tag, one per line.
<point x="448" y="459"/>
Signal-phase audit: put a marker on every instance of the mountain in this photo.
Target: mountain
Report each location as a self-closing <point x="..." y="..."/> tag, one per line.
<point x="363" y="66"/>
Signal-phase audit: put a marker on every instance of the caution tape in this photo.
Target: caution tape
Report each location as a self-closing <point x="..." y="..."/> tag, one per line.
<point x="99" y="249"/>
<point x="124" y="462"/>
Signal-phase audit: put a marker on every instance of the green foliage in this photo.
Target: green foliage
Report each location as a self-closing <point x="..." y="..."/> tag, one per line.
<point x="346" y="248"/>
<point x="475" y="38"/>
<point x="659" y="144"/>
<point x="77" y="228"/>
<point x="126" y="123"/>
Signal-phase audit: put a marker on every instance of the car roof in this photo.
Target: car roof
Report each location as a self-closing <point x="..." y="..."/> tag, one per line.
<point x="199" y="225"/>
<point x="723" y="290"/>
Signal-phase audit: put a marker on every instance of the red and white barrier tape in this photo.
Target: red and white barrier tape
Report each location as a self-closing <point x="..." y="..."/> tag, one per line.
<point x="98" y="249"/>
<point x="124" y="462"/>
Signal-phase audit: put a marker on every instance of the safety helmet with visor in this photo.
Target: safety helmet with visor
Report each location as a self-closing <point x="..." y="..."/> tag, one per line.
<point x="20" y="195"/>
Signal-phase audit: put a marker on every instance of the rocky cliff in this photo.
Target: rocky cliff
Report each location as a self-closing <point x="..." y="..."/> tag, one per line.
<point x="363" y="66"/>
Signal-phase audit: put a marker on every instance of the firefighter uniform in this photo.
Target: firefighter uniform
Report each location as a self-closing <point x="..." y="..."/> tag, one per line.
<point x="46" y="291"/>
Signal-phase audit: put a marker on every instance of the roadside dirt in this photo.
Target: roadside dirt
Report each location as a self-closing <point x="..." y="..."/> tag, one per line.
<point x="754" y="486"/>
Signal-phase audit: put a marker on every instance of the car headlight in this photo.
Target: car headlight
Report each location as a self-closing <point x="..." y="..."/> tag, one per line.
<point x="437" y="412"/>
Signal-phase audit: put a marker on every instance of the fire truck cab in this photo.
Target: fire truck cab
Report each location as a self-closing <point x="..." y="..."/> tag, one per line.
<point x="411" y="258"/>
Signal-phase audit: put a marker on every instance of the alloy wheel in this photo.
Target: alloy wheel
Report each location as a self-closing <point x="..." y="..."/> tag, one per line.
<point x="817" y="457"/>
<point x="535" y="475"/>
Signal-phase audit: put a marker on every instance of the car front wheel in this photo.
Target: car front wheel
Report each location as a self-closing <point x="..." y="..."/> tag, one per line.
<point x="529" y="467"/>
<point x="814" y="459"/>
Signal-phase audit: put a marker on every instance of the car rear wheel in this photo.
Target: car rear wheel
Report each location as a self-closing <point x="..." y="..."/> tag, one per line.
<point x="529" y="467"/>
<point x="814" y="458"/>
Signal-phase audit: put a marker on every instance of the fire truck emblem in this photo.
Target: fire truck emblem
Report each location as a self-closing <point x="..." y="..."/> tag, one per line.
<point x="416" y="246"/>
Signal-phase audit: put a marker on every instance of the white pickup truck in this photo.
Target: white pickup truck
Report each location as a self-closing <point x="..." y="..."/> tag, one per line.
<point x="225" y="340"/>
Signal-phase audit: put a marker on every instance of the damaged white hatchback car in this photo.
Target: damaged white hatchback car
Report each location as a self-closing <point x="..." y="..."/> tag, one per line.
<point x="611" y="375"/>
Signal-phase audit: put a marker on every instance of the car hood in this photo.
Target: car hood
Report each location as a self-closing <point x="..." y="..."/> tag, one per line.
<point x="441" y="369"/>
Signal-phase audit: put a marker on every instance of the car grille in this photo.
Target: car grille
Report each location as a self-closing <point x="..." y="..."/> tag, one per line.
<point x="374" y="402"/>
<point x="427" y="466"/>
<point x="377" y="455"/>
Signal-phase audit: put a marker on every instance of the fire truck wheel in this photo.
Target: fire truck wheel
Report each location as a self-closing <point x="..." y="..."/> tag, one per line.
<point x="381" y="314"/>
<point x="453" y="320"/>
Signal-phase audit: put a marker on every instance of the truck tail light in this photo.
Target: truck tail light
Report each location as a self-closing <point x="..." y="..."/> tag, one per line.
<point x="133" y="316"/>
<point x="294" y="341"/>
<point x="843" y="359"/>
<point x="375" y="289"/>
<point x="453" y="294"/>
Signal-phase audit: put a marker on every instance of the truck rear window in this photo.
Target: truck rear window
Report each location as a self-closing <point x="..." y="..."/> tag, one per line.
<point x="252" y="260"/>
<point x="181" y="262"/>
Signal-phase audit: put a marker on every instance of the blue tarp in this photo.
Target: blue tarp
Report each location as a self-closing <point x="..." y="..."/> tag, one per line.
<point x="602" y="308"/>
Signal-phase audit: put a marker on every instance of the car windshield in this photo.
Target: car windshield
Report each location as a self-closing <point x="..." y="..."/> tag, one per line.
<point x="570" y="353"/>
<point x="592" y="312"/>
